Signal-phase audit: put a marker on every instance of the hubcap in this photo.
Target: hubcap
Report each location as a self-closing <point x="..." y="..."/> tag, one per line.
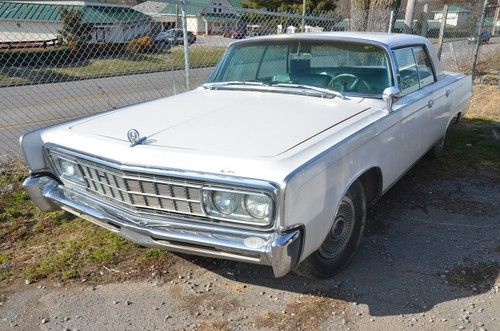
<point x="341" y="231"/>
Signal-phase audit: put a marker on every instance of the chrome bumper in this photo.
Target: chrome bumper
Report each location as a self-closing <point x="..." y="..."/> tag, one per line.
<point x="280" y="250"/>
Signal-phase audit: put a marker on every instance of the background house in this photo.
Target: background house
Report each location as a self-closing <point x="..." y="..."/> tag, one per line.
<point x="202" y="16"/>
<point x="39" y="22"/>
<point x="457" y="15"/>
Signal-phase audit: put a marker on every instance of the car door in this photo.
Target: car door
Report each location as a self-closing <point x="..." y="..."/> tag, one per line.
<point x="439" y="109"/>
<point x="413" y="107"/>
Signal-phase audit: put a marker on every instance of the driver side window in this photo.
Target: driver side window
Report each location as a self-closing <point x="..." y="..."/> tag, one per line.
<point x="407" y="68"/>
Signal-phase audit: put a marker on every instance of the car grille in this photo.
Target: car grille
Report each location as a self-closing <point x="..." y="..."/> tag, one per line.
<point x="143" y="192"/>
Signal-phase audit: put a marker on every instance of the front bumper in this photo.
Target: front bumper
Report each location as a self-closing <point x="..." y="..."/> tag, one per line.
<point x="281" y="250"/>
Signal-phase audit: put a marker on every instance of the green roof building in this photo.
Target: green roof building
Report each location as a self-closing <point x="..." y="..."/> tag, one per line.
<point x="32" y="22"/>
<point x="202" y="16"/>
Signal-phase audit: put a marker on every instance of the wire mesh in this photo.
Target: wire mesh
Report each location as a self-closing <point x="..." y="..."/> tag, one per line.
<point x="64" y="60"/>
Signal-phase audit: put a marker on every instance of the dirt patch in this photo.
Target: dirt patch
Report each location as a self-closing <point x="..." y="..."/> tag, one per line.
<point x="307" y="313"/>
<point x="213" y="325"/>
<point x="474" y="277"/>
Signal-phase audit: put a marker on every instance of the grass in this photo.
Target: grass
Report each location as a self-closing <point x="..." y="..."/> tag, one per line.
<point x="173" y="59"/>
<point x="474" y="143"/>
<point x="60" y="247"/>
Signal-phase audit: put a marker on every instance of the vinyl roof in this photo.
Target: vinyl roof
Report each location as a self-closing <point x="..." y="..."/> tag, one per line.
<point x="50" y="11"/>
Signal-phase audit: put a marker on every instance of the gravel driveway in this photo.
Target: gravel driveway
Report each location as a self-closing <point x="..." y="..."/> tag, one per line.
<point x="430" y="260"/>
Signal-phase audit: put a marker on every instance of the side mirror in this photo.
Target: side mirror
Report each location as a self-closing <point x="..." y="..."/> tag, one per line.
<point x="391" y="95"/>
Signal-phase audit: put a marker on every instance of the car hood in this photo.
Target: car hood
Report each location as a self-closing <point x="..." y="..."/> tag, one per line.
<point x="232" y="123"/>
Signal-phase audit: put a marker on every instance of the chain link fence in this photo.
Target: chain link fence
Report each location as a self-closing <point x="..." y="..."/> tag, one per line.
<point x="60" y="61"/>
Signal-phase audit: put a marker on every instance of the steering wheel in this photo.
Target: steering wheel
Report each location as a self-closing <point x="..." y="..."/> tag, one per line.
<point x="348" y="83"/>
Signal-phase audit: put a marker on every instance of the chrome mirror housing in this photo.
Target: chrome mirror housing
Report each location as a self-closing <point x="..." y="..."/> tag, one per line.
<point x="391" y="95"/>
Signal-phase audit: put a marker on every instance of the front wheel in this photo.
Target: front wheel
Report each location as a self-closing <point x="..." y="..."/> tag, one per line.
<point x="343" y="239"/>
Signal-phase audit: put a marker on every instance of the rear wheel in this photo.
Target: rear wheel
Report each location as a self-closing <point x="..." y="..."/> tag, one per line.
<point x="438" y="151"/>
<point x="343" y="239"/>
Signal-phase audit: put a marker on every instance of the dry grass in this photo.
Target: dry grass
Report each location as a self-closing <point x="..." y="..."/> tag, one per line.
<point x="306" y="314"/>
<point x="485" y="103"/>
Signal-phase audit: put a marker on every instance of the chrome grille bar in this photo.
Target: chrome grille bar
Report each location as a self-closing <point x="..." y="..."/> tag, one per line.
<point x="140" y="191"/>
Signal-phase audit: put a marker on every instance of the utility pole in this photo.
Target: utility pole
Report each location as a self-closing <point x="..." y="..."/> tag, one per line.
<point x="410" y="8"/>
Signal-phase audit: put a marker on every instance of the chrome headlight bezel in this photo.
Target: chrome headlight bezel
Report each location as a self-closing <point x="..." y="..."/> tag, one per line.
<point x="241" y="215"/>
<point x="57" y="164"/>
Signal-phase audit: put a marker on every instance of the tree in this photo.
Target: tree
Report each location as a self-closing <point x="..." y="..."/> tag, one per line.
<point x="291" y="5"/>
<point x="75" y="32"/>
<point x="372" y="15"/>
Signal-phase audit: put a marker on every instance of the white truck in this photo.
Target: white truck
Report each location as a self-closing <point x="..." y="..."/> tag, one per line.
<point x="273" y="160"/>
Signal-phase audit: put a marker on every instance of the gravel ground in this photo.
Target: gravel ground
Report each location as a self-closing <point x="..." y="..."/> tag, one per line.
<point x="430" y="260"/>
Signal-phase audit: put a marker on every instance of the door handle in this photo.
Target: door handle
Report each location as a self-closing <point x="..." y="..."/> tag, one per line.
<point x="430" y="103"/>
<point x="448" y="92"/>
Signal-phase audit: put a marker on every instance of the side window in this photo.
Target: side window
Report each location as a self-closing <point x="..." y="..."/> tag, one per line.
<point x="408" y="75"/>
<point x="425" y="71"/>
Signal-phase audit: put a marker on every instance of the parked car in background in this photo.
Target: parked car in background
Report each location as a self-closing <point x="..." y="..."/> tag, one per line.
<point x="484" y="37"/>
<point x="273" y="161"/>
<point x="234" y="34"/>
<point x="174" y="37"/>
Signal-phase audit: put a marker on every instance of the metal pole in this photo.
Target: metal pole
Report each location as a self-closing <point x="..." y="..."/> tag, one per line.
<point x="176" y="16"/>
<point x="495" y="19"/>
<point x="303" y="15"/>
<point x="478" y="39"/>
<point x="391" y="19"/>
<point x="186" y="43"/>
<point x="441" y="31"/>
<point x="410" y="8"/>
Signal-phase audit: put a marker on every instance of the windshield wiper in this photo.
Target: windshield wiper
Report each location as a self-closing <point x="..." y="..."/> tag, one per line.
<point x="215" y="85"/>
<point x="323" y="91"/>
<point x="312" y="88"/>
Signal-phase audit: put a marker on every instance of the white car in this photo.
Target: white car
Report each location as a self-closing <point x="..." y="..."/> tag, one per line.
<point x="273" y="160"/>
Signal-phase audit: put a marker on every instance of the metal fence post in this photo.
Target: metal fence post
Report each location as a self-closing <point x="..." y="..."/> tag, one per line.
<point x="391" y="19"/>
<point x="478" y="38"/>
<point x="186" y="44"/>
<point x="441" y="30"/>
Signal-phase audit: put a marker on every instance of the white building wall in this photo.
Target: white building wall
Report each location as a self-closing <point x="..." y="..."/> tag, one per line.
<point x="38" y="31"/>
<point x="28" y="31"/>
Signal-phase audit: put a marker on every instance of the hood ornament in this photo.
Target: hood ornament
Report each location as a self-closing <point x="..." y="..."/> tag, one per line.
<point x="135" y="138"/>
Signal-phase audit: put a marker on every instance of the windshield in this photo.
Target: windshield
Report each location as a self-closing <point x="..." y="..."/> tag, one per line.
<point x="342" y="67"/>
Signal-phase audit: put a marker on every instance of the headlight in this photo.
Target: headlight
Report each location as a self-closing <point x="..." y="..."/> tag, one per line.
<point x="259" y="206"/>
<point x="254" y="208"/>
<point x="225" y="202"/>
<point x="67" y="168"/>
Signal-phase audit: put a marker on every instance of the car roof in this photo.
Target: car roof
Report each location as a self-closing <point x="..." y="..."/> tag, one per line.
<point x="390" y="40"/>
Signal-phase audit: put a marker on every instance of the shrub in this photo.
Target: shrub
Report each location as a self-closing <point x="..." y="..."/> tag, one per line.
<point x="141" y="45"/>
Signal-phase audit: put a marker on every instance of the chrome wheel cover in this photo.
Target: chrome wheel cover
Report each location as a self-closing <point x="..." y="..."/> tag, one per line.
<point x="340" y="232"/>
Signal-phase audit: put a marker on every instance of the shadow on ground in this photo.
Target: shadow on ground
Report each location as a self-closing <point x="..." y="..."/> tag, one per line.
<point x="428" y="241"/>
